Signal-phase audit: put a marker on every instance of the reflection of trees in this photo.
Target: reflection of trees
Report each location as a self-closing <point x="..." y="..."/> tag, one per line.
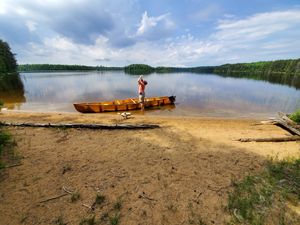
<point x="11" y="89"/>
<point x="274" y="78"/>
<point x="285" y="72"/>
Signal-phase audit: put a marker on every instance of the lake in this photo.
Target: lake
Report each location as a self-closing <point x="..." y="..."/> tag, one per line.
<point x="196" y="94"/>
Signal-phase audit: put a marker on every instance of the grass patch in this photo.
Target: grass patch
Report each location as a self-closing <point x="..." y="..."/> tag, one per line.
<point x="112" y="216"/>
<point x="115" y="219"/>
<point x="88" y="221"/>
<point x="66" y="168"/>
<point x="5" y="139"/>
<point x="59" y="221"/>
<point x="75" y="196"/>
<point x="99" y="199"/>
<point x="117" y="205"/>
<point x="263" y="198"/>
<point x="194" y="218"/>
<point x="1" y="104"/>
<point x="104" y="217"/>
<point x="295" y="116"/>
<point x="171" y="207"/>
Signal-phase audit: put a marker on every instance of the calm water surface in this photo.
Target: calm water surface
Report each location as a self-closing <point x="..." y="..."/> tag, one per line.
<point x="197" y="94"/>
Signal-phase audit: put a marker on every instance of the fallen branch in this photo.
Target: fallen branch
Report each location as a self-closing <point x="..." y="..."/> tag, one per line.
<point x="81" y="125"/>
<point x="288" y="120"/>
<point x="14" y="165"/>
<point x="143" y="195"/>
<point x="274" y="139"/>
<point x="87" y="206"/>
<point x="67" y="191"/>
<point x="287" y="127"/>
<point x="52" y="198"/>
<point x="286" y="123"/>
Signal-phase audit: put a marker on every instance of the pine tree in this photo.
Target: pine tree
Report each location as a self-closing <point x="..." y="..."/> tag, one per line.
<point x="8" y="63"/>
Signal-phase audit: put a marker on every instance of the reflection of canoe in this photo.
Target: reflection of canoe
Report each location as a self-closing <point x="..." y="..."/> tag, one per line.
<point x="123" y="105"/>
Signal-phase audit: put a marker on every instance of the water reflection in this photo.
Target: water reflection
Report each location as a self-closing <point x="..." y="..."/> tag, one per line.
<point x="204" y="94"/>
<point x="291" y="80"/>
<point x="12" y="91"/>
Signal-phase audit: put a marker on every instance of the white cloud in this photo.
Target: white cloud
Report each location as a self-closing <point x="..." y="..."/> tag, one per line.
<point x="258" y="26"/>
<point x="134" y="36"/>
<point x="31" y="25"/>
<point x="4" y="7"/>
<point x="155" y="27"/>
<point x="148" y="23"/>
<point x="175" y="52"/>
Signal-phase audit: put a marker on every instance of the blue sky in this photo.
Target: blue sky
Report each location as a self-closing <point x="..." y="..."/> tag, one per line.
<point x="156" y="32"/>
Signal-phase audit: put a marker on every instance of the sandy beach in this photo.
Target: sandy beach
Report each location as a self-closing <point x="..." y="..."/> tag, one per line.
<point x="175" y="174"/>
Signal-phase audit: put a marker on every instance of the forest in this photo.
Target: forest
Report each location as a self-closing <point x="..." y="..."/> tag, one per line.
<point x="279" y="71"/>
<point x="11" y="86"/>
<point x="8" y="63"/>
<point x="291" y="66"/>
<point x="139" y="69"/>
<point x="59" y="67"/>
<point x="266" y="69"/>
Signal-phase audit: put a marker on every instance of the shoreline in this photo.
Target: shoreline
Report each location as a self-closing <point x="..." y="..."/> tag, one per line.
<point x="228" y="129"/>
<point x="240" y="116"/>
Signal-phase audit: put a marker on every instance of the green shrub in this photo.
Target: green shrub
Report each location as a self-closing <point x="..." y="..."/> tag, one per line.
<point x="295" y="116"/>
<point x="1" y="104"/>
<point x="99" y="199"/>
<point x="75" y="196"/>
<point x="4" y="139"/>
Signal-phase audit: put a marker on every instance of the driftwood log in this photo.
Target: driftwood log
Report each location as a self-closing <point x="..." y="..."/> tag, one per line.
<point x="274" y="139"/>
<point x="287" y="124"/>
<point x="81" y="125"/>
<point x="284" y="122"/>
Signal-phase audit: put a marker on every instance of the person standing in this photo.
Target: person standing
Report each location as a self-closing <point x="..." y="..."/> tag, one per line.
<point x="142" y="85"/>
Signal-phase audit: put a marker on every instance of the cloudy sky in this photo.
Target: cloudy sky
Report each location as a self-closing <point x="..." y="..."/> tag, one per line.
<point x="155" y="32"/>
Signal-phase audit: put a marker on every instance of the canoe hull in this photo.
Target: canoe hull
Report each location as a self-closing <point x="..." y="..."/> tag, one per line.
<point x="123" y="105"/>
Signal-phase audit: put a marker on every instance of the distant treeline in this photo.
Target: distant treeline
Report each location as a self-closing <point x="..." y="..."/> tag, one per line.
<point x="8" y="63"/>
<point x="291" y="66"/>
<point x="279" y="67"/>
<point x="139" y="69"/>
<point x="279" y="71"/>
<point x="59" y="67"/>
<point x="146" y="69"/>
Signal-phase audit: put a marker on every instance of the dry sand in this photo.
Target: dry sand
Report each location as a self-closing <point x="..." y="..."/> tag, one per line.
<point x="175" y="174"/>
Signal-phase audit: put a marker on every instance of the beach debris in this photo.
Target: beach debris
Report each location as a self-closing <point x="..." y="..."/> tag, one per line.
<point x="68" y="192"/>
<point x="143" y="195"/>
<point x="283" y="121"/>
<point x="83" y="125"/>
<point x="125" y="115"/>
<point x="52" y="198"/>
<point x="273" y="139"/>
<point x="92" y="207"/>
<point x="13" y="165"/>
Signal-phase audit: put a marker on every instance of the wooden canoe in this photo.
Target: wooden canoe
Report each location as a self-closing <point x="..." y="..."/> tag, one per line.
<point x="123" y="105"/>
